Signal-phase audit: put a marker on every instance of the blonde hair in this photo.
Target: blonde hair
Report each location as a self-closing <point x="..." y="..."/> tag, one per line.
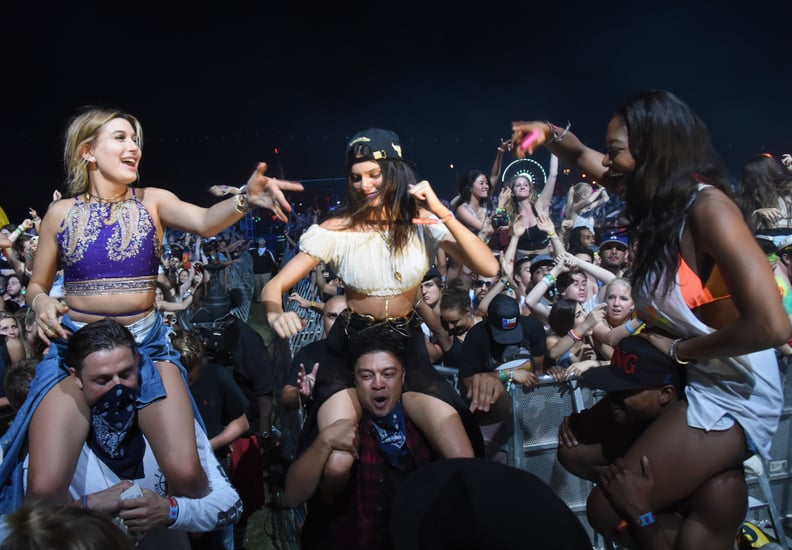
<point x="575" y="194"/>
<point x="83" y="130"/>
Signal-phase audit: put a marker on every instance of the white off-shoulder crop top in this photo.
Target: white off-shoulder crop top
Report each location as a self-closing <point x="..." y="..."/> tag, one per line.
<point x="363" y="262"/>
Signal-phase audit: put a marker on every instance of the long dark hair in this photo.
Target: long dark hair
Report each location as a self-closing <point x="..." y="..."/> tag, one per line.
<point x="673" y="153"/>
<point x="562" y="316"/>
<point x="465" y="185"/>
<point x="763" y="181"/>
<point x="400" y="207"/>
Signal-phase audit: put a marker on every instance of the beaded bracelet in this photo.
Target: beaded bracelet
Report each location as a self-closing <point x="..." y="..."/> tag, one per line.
<point x="173" y="511"/>
<point x="510" y="382"/>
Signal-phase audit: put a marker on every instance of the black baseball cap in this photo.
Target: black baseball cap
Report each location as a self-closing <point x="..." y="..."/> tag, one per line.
<point x="433" y="273"/>
<point x="373" y="144"/>
<point x="635" y="365"/>
<point x="503" y="315"/>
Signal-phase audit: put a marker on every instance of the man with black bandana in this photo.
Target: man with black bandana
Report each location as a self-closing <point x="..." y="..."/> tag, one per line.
<point x="102" y="358"/>
<point x="351" y="510"/>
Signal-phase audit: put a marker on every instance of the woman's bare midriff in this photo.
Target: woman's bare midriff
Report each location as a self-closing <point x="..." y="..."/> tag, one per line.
<point x="125" y="308"/>
<point x="400" y="305"/>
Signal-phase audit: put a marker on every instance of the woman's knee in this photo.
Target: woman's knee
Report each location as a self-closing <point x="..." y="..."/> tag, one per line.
<point x="601" y="515"/>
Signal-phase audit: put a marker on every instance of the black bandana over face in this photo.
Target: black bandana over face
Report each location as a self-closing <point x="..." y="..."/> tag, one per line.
<point x="115" y="435"/>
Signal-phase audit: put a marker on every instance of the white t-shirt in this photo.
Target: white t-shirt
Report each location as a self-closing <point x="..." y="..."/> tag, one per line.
<point x="221" y="507"/>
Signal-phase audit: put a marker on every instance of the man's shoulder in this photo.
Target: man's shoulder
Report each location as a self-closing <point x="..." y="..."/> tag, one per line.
<point x="530" y="322"/>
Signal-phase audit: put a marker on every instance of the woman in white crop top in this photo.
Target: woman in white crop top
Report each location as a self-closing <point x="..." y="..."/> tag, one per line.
<point x="381" y="246"/>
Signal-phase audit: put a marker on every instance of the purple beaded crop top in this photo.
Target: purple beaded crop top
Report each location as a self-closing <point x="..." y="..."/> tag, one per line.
<point x="108" y="248"/>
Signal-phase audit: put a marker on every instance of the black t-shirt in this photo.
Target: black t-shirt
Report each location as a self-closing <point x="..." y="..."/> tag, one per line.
<point x="219" y="399"/>
<point x="483" y="354"/>
<point x="252" y="365"/>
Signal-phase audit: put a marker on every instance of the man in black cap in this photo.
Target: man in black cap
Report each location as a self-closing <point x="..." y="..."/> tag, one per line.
<point x="508" y="339"/>
<point x="641" y="384"/>
<point x="613" y="253"/>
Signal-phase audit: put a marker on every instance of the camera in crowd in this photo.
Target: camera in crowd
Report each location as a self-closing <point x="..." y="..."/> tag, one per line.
<point x="500" y="219"/>
<point x="213" y="340"/>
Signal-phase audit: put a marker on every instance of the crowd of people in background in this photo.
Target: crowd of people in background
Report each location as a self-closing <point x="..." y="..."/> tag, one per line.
<point x="506" y="281"/>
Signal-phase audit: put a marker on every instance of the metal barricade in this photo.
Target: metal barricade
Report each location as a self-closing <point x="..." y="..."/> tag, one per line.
<point x="313" y="330"/>
<point x="537" y="413"/>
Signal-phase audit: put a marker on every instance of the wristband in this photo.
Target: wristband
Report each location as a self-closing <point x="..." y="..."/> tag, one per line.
<point x="502" y="375"/>
<point x="572" y="334"/>
<point x="432" y="221"/>
<point x="84" y="501"/>
<point x="549" y="279"/>
<point x="645" y="519"/>
<point x="635" y="330"/>
<point x="173" y="511"/>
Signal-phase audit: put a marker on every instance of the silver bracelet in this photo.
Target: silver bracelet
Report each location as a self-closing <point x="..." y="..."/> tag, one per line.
<point x="672" y="352"/>
<point x="554" y="137"/>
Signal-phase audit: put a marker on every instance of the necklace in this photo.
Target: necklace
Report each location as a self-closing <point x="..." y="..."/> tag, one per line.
<point x="114" y="203"/>
<point x="118" y="198"/>
<point x="389" y="244"/>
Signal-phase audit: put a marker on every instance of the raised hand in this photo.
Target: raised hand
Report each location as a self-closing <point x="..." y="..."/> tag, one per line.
<point x="520" y="130"/>
<point x="267" y="192"/>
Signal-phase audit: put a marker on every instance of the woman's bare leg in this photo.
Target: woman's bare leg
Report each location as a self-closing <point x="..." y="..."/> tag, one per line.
<point x="57" y="432"/>
<point x="441" y="424"/>
<point x="683" y="461"/>
<point x="169" y="427"/>
<point x="340" y="405"/>
<point x="683" y="458"/>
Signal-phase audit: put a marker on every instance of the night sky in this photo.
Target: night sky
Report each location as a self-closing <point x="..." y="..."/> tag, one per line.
<point x="218" y="90"/>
